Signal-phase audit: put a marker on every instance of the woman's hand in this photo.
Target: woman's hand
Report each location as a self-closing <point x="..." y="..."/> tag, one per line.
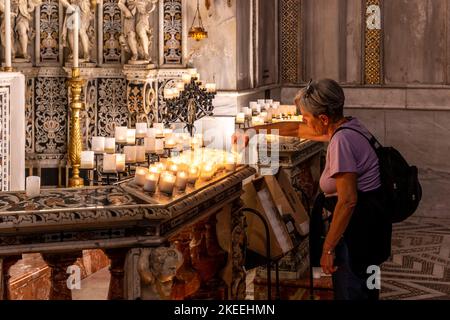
<point x="327" y="263"/>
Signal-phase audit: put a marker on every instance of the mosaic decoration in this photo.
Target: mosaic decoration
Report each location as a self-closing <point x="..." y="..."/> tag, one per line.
<point x="4" y="138"/>
<point x="29" y="116"/>
<point x="51" y="115"/>
<point x="419" y="268"/>
<point x="49" y="31"/>
<point x="112" y="28"/>
<point x="173" y="28"/>
<point x="372" y="45"/>
<point x="291" y="17"/>
<point x="112" y="106"/>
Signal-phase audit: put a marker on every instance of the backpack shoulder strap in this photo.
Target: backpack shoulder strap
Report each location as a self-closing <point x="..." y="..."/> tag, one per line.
<point x="372" y="140"/>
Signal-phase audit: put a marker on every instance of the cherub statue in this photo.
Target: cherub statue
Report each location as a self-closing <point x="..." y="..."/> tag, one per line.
<point x="21" y="16"/>
<point x="157" y="268"/>
<point x="137" y="34"/>
<point x="86" y="13"/>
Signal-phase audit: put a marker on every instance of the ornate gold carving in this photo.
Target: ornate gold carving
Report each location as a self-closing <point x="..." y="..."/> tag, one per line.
<point x="75" y="144"/>
<point x="372" y="46"/>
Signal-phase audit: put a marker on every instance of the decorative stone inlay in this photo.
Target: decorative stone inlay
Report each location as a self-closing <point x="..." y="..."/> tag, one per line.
<point x="172" y="31"/>
<point x="373" y="40"/>
<point x="29" y="116"/>
<point x="51" y="115"/>
<point x="291" y="35"/>
<point x="49" y="31"/>
<point x="4" y="138"/>
<point x="112" y="106"/>
<point x="112" y="28"/>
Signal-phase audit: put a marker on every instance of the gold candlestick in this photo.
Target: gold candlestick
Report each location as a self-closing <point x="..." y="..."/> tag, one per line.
<point x="75" y="143"/>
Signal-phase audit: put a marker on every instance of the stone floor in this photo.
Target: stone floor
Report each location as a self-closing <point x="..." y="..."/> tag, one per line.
<point x="420" y="264"/>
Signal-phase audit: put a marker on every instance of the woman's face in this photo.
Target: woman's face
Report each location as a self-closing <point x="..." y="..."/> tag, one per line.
<point x="318" y="124"/>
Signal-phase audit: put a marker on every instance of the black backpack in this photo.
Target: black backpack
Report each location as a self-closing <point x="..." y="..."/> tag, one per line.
<point x="399" y="180"/>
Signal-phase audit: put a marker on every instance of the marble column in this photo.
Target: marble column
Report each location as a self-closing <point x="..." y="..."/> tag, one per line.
<point x="5" y="264"/>
<point x="117" y="270"/>
<point x="58" y="263"/>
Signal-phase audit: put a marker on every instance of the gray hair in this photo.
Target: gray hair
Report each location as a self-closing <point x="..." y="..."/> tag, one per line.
<point x="322" y="97"/>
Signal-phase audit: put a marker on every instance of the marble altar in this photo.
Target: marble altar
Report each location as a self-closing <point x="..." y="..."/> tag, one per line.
<point x="123" y="221"/>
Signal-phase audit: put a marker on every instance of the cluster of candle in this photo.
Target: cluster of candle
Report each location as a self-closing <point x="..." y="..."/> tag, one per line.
<point x="267" y="111"/>
<point x="175" y="92"/>
<point x="177" y="172"/>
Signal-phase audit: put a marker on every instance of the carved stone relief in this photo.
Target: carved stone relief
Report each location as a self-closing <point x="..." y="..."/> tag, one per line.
<point x="4" y="138"/>
<point x="29" y="116"/>
<point x="49" y="31"/>
<point x="172" y="32"/>
<point x="112" y="106"/>
<point x="112" y="29"/>
<point x="51" y="115"/>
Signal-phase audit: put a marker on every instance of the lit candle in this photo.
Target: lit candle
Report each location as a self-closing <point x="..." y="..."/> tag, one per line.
<point x="161" y="166"/>
<point x="261" y="101"/>
<point x="87" y="160"/>
<point x="207" y="172"/>
<point x="149" y="144"/>
<point x="186" y="78"/>
<point x="276" y="105"/>
<point x="181" y="181"/>
<point x="247" y="111"/>
<point x="173" y="168"/>
<point x="109" y="163"/>
<point x="263" y="116"/>
<point x="139" y="177"/>
<point x="159" y="146"/>
<point x="33" y="185"/>
<point x="158" y="126"/>
<point x="120" y="162"/>
<point x="240" y="118"/>
<point x="76" y="27"/>
<point x="151" y="133"/>
<point x="193" y="71"/>
<point x="141" y="129"/>
<point x="167" y="182"/>
<point x="151" y="182"/>
<point x="8" y="34"/>
<point x="131" y="136"/>
<point x="155" y="170"/>
<point x="140" y="154"/>
<point x="194" y="172"/>
<point x="130" y="154"/>
<point x="170" y="143"/>
<point x="230" y="164"/>
<point x="110" y="145"/>
<point x="167" y="133"/>
<point x="98" y="144"/>
<point x="269" y="101"/>
<point x="121" y="134"/>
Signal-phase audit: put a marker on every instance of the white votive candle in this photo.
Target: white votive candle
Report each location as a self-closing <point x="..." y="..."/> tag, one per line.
<point x="240" y="118"/>
<point x="207" y="172"/>
<point x="193" y="174"/>
<point x="139" y="177"/>
<point x="167" y="182"/>
<point x="110" y="145"/>
<point x="87" y="160"/>
<point x="230" y="163"/>
<point x="33" y="186"/>
<point x="141" y="129"/>
<point x="151" y="182"/>
<point x="159" y="146"/>
<point x="149" y="144"/>
<point x="120" y="162"/>
<point x="98" y="144"/>
<point x="130" y="154"/>
<point x="173" y="168"/>
<point x="151" y="133"/>
<point x="109" y="163"/>
<point x="131" y="137"/>
<point x="140" y="154"/>
<point x="181" y="181"/>
<point x="170" y="143"/>
<point x="121" y="134"/>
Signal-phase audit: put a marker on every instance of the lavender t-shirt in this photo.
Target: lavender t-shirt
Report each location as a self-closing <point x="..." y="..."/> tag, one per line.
<point x="349" y="151"/>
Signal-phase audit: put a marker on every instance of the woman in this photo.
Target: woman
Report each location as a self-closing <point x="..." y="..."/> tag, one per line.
<point x="359" y="236"/>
